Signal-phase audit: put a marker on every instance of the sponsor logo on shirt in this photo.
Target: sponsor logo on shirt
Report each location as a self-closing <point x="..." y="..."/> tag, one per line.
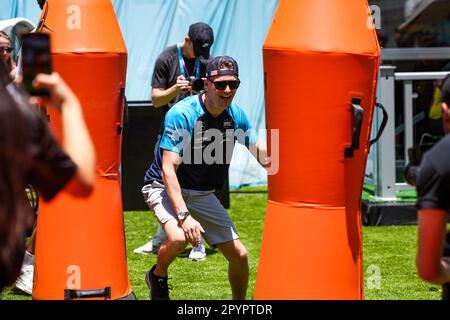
<point x="227" y="124"/>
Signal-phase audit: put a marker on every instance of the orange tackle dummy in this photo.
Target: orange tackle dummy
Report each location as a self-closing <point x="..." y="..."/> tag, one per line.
<point x="80" y="247"/>
<point x="321" y="61"/>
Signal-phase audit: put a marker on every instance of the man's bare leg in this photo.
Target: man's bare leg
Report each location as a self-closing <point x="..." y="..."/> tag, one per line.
<point x="237" y="256"/>
<point x="171" y="248"/>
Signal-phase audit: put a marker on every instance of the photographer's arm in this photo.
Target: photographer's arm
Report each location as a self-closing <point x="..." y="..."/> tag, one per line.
<point x="431" y="266"/>
<point x="161" y="97"/>
<point x="76" y="139"/>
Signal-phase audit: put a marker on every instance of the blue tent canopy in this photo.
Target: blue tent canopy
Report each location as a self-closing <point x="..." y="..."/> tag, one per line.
<point x="148" y="26"/>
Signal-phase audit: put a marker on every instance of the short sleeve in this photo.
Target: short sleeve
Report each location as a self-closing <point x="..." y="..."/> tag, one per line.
<point x="160" y="74"/>
<point x="432" y="188"/>
<point x="51" y="168"/>
<point x="177" y="130"/>
<point x="427" y="186"/>
<point x="245" y="134"/>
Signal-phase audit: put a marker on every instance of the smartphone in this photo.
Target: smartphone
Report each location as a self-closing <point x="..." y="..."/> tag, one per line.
<point x="36" y="58"/>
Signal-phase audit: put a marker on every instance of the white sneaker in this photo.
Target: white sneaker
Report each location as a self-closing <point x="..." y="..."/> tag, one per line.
<point x="198" y="253"/>
<point x="25" y="281"/>
<point x="149" y="247"/>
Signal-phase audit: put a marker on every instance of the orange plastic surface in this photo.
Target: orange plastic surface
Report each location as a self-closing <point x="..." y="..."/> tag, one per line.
<point x="86" y="232"/>
<point x="85" y="238"/>
<point x="316" y="257"/>
<point x="318" y="55"/>
<point x="87" y="25"/>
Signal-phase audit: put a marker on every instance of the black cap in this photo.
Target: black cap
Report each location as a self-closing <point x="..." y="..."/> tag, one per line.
<point x="202" y="36"/>
<point x="41" y="3"/>
<point x="222" y="65"/>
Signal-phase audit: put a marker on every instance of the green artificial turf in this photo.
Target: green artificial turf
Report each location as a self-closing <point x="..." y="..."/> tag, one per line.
<point x="391" y="252"/>
<point x="402" y="196"/>
<point x="388" y="257"/>
<point x="198" y="280"/>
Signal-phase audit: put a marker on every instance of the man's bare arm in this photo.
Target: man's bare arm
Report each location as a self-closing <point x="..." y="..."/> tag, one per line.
<point x="169" y="166"/>
<point x="259" y="151"/>
<point x="431" y="266"/>
<point x="161" y="97"/>
<point x="190" y="226"/>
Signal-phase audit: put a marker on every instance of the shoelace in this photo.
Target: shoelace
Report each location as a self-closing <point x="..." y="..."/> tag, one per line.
<point x="198" y="249"/>
<point x="27" y="270"/>
<point x="163" y="283"/>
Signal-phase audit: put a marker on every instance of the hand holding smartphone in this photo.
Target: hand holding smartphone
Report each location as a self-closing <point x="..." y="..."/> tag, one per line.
<point x="36" y="58"/>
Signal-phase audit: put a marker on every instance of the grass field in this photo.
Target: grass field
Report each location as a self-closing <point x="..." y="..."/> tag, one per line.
<point x="387" y="250"/>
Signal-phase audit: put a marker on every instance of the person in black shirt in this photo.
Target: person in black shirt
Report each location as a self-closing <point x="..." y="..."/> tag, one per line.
<point x="445" y="91"/>
<point x="433" y="190"/>
<point x="174" y="68"/>
<point x="30" y="154"/>
<point x="178" y="63"/>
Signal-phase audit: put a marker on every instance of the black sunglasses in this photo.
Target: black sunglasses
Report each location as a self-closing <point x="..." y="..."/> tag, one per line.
<point x="221" y="85"/>
<point x="7" y="49"/>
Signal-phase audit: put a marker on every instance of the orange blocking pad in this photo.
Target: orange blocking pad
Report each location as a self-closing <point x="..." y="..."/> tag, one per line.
<point x="321" y="61"/>
<point x="101" y="101"/>
<point x="80" y="242"/>
<point x="316" y="256"/>
<point x="316" y="123"/>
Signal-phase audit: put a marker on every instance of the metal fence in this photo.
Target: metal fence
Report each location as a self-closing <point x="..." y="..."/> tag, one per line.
<point x="385" y="163"/>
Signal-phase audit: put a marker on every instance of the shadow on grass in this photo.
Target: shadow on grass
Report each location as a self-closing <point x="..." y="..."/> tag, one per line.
<point x="185" y="253"/>
<point x="16" y="292"/>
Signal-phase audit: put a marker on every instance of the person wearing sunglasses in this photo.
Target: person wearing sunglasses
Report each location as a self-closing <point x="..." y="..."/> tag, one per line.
<point x="192" y="161"/>
<point x="5" y="53"/>
<point x="178" y="73"/>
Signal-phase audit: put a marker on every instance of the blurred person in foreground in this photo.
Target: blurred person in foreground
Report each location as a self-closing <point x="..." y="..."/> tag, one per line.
<point x="433" y="191"/>
<point x="30" y="154"/>
<point x="24" y="282"/>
